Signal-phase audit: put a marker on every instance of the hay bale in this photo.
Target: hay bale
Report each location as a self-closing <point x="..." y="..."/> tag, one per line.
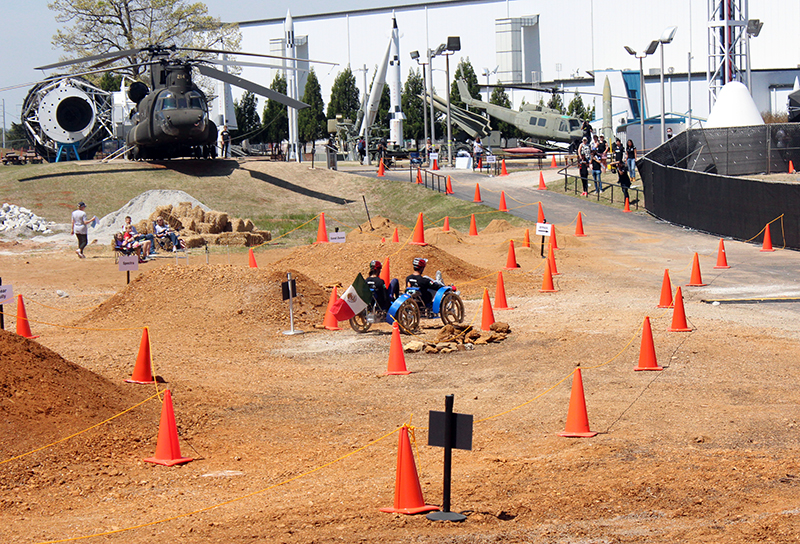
<point x="237" y="225"/>
<point x="194" y="241"/>
<point x="161" y="211"/>
<point x="198" y="214"/>
<point x="183" y="209"/>
<point x="189" y="223"/>
<point x="144" y="227"/>
<point x="233" y="239"/>
<point x="203" y="228"/>
<point x="265" y="234"/>
<point x="249" y="226"/>
<point x="255" y="239"/>
<point x="218" y="221"/>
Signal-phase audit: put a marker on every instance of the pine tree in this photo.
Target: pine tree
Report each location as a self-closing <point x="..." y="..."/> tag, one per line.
<point x="556" y="102"/>
<point x="275" y="117"/>
<point x="246" y="116"/>
<point x="344" y="96"/>
<point x="499" y="97"/>
<point x="467" y="72"/>
<point x="311" y="121"/>
<point x="414" y="125"/>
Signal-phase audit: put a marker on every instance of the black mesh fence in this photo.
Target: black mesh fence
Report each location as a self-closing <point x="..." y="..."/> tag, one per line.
<point x="699" y="179"/>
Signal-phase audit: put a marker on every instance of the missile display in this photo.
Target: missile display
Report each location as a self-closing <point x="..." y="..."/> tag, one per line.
<point x="291" y="87"/>
<point x="396" y="116"/>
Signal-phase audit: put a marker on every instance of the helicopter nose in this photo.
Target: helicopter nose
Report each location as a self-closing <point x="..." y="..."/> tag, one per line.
<point x="185" y="118"/>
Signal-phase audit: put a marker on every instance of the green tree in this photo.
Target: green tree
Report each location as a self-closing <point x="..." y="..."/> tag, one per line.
<point x="311" y="121"/>
<point x="467" y="72"/>
<point x="110" y="82"/>
<point x="577" y="109"/>
<point x="344" y="96"/>
<point x="16" y="136"/>
<point x="499" y="97"/>
<point x="414" y="125"/>
<point x="246" y="111"/>
<point x="276" y="118"/>
<point x="556" y="102"/>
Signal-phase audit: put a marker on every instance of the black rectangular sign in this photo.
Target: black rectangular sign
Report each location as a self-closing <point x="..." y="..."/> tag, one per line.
<point x="462" y="430"/>
<point x="285" y="289"/>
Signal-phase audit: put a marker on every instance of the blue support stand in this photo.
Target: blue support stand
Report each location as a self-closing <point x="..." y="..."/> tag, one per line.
<point x="65" y="148"/>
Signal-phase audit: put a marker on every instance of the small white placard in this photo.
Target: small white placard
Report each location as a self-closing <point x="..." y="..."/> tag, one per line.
<point x="337" y="237"/>
<point x="434" y="156"/>
<point x="491" y="159"/>
<point x="128" y="263"/>
<point x="464" y="163"/>
<point x="544" y="229"/>
<point x="6" y="294"/>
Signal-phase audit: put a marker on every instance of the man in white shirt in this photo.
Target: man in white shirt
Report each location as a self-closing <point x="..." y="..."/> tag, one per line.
<point x="80" y="228"/>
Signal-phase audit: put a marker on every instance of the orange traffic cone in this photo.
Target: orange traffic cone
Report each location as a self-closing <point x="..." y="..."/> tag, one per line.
<point x="419" y="176"/>
<point x="503" y="171"/>
<point x="480" y="163"/>
<point x="397" y="359"/>
<point x="577" y="418"/>
<point x="168" y="449"/>
<point x="647" y="352"/>
<point x="511" y="260"/>
<point x="553" y="162"/>
<point x="407" y="491"/>
<point x="435" y="165"/>
<point x="385" y="275"/>
<point x="23" y="327"/>
<point x="418" y="237"/>
<point x="383" y="239"/>
<point x="487" y="316"/>
<point x="253" y="263"/>
<point x="767" y="245"/>
<point x="627" y="208"/>
<point x="143" y="369"/>
<point x="579" y="226"/>
<point x="666" y="291"/>
<point x="679" y="315"/>
<point x="696" y="280"/>
<point x="477" y="193"/>
<point x="446" y="226"/>
<point x="553" y="241"/>
<point x="791" y="168"/>
<point x="526" y="240"/>
<point x="322" y="230"/>
<point x="547" y="279"/>
<point x="542" y="186"/>
<point x="551" y="259"/>
<point x="722" y="259"/>
<point x="329" y="321"/>
<point x="381" y="169"/>
<point x="448" y="189"/>
<point x="503" y="207"/>
<point x="395" y="236"/>
<point x="500" y="302"/>
<point x="540" y="218"/>
<point x="473" y="228"/>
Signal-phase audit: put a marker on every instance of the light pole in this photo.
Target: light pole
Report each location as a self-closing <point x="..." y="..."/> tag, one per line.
<point x="432" y="54"/>
<point x="453" y="45"/>
<point x="415" y="56"/>
<point x="666" y="37"/>
<point x="753" y="29"/>
<point x="649" y="51"/>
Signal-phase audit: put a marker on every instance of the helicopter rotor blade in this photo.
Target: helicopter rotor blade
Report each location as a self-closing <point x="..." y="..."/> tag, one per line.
<point x="252" y="87"/>
<point x="101" y="56"/>
<point x="253" y="64"/>
<point x="220" y="51"/>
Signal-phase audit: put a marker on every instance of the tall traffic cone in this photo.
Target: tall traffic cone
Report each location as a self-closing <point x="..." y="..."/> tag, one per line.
<point x="553" y="241"/>
<point x="253" y="263"/>
<point x="579" y="226"/>
<point x="322" y="230"/>
<point x="500" y="302"/>
<point x="526" y="239"/>
<point x="722" y="259"/>
<point x="666" y="291"/>
<point x="547" y="279"/>
<point x="542" y="186"/>
<point x="480" y="163"/>
<point x="168" y="449"/>
<point x="577" y="418"/>
<point x="329" y="321"/>
<point x="767" y="245"/>
<point x="23" y="327"/>
<point x="448" y="188"/>
<point x="503" y="171"/>
<point x="627" y="208"/>
<point x="553" y="162"/>
<point x="407" y="491"/>
<point x="477" y="193"/>
<point x="385" y="275"/>
<point x="381" y="169"/>
<point x="435" y="164"/>
<point x="511" y="260"/>
<point x="446" y="226"/>
<point x="397" y="359"/>
<point x="419" y="176"/>
<point x="679" y="315"/>
<point x="647" y="352"/>
<point x="418" y="238"/>
<point x="551" y="259"/>
<point x="473" y="228"/>
<point x="791" y="168"/>
<point x="503" y="207"/>
<point x="487" y="316"/>
<point x="143" y="369"/>
<point x="696" y="280"/>
<point x="395" y="236"/>
<point x="540" y="218"/>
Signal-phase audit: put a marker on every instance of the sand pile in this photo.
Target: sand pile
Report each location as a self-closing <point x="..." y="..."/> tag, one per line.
<point x="381" y="228"/>
<point x="499" y="226"/>
<point x="44" y="397"/>
<point x="211" y="298"/>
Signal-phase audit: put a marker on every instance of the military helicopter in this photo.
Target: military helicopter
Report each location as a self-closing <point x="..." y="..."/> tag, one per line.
<point x="171" y="114"/>
<point x="539" y="122"/>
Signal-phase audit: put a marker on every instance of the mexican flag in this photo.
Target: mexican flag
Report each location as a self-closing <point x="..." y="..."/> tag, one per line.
<point x="353" y="301"/>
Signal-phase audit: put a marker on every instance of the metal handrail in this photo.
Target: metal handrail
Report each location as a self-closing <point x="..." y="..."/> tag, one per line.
<point x="437" y="182"/>
<point x="577" y="180"/>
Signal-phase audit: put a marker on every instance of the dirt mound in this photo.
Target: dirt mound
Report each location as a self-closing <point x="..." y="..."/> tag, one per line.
<point x="44" y="397"/>
<point x="215" y="297"/>
<point x="380" y="228"/>
<point x="497" y="226"/>
<point x="339" y="263"/>
<point x="437" y="237"/>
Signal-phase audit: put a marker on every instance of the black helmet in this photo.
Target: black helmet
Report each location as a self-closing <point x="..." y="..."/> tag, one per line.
<point x="375" y="266"/>
<point x="419" y="264"/>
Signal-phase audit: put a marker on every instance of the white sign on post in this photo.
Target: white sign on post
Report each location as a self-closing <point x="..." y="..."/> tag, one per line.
<point x="128" y="263"/>
<point x="491" y="159"/>
<point x="6" y="294"/>
<point x="544" y="229"/>
<point x="434" y="156"/>
<point x="337" y="237"/>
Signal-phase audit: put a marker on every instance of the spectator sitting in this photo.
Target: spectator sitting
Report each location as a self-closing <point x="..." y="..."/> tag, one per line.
<point x="138" y="237"/>
<point x="124" y="241"/>
<point x="163" y="231"/>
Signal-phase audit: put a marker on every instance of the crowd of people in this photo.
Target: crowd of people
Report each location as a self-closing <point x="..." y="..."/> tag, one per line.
<point x="130" y="241"/>
<point x="593" y="153"/>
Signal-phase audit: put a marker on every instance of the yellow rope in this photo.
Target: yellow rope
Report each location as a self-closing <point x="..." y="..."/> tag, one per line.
<point x="69" y="326"/>
<point x="88" y="308"/>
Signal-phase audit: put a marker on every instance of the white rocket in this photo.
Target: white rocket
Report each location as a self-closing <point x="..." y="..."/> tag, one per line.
<point x="291" y="87"/>
<point x="395" y="109"/>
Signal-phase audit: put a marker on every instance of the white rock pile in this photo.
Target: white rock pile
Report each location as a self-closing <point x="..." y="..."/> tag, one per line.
<point x="14" y="217"/>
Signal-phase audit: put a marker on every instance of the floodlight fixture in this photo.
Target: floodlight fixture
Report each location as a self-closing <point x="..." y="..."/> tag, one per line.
<point x="754" y="27"/>
<point x="414" y="55"/>
<point x="628" y="49"/>
<point x="454" y="43"/>
<point x="668" y="34"/>
<point x="651" y="48"/>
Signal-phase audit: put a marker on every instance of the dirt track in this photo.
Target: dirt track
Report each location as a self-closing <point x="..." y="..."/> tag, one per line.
<point x="705" y="451"/>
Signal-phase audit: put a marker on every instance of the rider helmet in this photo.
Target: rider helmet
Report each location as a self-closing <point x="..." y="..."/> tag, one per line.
<point x="375" y="266"/>
<point x="419" y="264"/>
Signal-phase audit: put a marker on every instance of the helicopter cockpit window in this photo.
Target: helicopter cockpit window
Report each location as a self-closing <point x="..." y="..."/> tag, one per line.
<point x="563" y="126"/>
<point x="542" y="122"/>
<point x="195" y="100"/>
<point x="167" y="101"/>
<point x="533" y="121"/>
<point x="574" y="124"/>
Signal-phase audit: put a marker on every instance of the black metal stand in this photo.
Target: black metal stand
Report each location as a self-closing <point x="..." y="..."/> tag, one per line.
<point x="449" y="428"/>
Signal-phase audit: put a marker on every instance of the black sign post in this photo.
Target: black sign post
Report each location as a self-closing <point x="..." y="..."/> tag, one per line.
<point x="448" y="430"/>
<point x="289" y="291"/>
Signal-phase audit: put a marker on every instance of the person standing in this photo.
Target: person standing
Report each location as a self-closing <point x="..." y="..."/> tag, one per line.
<point x="226" y="141"/>
<point x="602" y="150"/>
<point x="619" y="151"/>
<point x="596" y="172"/>
<point x="80" y="228"/>
<point x="623" y="180"/>
<point x="630" y="156"/>
<point x="477" y="153"/>
<point x="584" y="154"/>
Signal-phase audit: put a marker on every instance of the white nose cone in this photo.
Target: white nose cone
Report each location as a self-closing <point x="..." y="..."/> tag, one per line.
<point x="734" y="108"/>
